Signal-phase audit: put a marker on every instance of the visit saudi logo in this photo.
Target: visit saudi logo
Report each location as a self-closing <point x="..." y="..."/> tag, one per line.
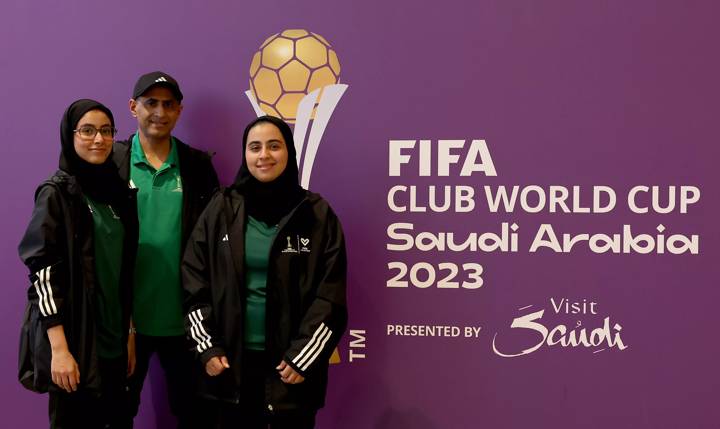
<point x="294" y="75"/>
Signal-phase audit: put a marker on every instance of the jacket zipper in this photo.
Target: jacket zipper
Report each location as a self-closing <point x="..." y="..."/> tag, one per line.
<point x="283" y="222"/>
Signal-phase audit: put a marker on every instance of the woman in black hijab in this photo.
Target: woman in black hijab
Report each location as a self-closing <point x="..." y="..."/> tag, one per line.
<point x="265" y="272"/>
<point x="79" y="247"/>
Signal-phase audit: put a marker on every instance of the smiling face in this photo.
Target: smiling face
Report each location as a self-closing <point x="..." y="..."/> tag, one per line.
<point x="265" y="153"/>
<point x="94" y="150"/>
<point x="156" y="111"/>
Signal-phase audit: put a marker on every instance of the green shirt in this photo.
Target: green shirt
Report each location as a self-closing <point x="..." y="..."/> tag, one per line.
<point x="258" y="239"/>
<point x="108" y="242"/>
<point x="157" y="297"/>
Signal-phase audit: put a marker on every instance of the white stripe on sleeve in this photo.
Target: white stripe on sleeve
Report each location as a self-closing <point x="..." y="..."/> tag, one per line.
<point x="41" y="295"/>
<point x="49" y="292"/>
<point x="317" y="332"/>
<point x="198" y="331"/>
<point x="319" y="347"/>
<point x="195" y="333"/>
<point x="46" y="302"/>
<point x="310" y="347"/>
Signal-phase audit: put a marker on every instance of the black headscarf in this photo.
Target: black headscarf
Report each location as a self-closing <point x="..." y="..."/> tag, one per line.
<point x="270" y="201"/>
<point x="99" y="182"/>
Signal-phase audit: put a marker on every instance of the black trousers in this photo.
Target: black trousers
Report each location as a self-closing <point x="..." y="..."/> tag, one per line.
<point x="234" y="417"/>
<point x="177" y="363"/>
<point x="83" y="410"/>
<point x="252" y="412"/>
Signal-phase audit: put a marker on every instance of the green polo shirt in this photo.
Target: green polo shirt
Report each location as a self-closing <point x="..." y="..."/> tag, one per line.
<point x="258" y="239"/>
<point x="108" y="234"/>
<point x="157" y="297"/>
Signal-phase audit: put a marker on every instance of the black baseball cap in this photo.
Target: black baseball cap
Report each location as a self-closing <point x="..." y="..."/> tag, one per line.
<point x="151" y="79"/>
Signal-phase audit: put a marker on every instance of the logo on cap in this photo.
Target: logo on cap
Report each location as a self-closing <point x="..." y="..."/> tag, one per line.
<point x="161" y="79"/>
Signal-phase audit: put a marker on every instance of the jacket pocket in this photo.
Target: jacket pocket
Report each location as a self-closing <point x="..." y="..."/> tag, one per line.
<point x="34" y="352"/>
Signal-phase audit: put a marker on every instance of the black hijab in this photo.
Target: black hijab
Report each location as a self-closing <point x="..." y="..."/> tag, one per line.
<point x="99" y="182"/>
<point x="270" y="201"/>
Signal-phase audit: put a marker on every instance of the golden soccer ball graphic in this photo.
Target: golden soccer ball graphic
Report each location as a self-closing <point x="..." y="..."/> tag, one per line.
<point x="288" y="66"/>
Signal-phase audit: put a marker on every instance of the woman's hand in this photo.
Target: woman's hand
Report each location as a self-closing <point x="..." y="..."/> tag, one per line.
<point x="63" y="368"/>
<point x="216" y="365"/>
<point x="288" y="375"/>
<point x="131" y="353"/>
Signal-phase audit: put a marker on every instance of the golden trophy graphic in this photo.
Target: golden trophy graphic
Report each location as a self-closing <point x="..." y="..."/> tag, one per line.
<point x="294" y="76"/>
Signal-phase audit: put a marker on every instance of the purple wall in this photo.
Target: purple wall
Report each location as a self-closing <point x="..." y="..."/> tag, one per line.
<point x="565" y="93"/>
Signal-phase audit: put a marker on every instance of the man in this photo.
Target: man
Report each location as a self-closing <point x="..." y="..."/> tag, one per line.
<point x="174" y="183"/>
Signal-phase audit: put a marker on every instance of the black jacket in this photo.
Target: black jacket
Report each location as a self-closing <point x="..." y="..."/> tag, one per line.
<point x="58" y="248"/>
<point x="196" y="170"/>
<point x="306" y="312"/>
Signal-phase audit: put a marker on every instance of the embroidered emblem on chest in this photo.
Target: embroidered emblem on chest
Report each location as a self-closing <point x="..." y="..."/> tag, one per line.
<point x="305" y="245"/>
<point x="296" y="244"/>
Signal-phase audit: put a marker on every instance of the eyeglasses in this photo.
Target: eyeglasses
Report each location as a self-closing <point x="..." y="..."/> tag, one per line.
<point x="89" y="132"/>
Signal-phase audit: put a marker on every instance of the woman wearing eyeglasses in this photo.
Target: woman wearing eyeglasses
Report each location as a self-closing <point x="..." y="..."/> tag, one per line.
<point x="79" y="247"/>
<point x="265" y="272"/>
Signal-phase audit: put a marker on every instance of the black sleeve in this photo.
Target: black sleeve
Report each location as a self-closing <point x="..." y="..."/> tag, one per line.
<point x="44" y="251"/>
<point x="208" y="176"/>
<point x="326" y="319"/>
<point x="213" y="182"/>
<point x="199" y="317"/>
